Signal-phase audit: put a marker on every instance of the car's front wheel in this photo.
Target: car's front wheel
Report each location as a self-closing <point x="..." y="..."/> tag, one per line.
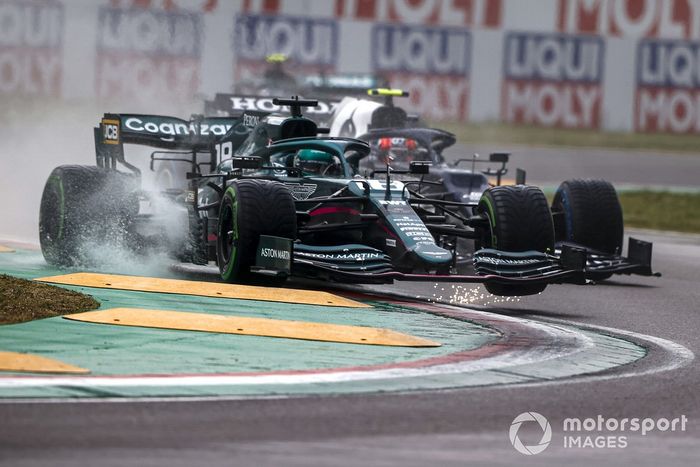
<point x="249" y="209"/>
<point x="519" y="220"/>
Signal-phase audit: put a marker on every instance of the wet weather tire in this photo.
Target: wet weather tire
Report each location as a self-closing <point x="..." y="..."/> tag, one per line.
<point x="249" y="209"/>
<point x="589" y="213"/>
<point x="519" y="220"/>
<point x="80" y="207"/>
<point x="171" y="175"/>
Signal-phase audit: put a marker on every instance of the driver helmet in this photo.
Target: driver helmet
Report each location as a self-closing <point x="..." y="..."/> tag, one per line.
<point x="314" y="162"/>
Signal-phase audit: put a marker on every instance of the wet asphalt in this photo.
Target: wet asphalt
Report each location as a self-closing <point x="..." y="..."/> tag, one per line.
<point x="454" y="427"/>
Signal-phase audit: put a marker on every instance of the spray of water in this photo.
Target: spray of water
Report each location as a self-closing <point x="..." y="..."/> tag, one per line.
<point x="34" y="139"/>
<point x="138" y="247"/>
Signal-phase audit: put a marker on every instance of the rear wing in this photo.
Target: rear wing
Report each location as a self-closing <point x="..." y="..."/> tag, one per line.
<point x="237" y="104"/>
<point x="163" y="132"/>
<point x="340" y="85"/>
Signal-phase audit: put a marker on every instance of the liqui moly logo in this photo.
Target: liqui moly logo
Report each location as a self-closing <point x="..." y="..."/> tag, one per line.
<point x="444" y="51"/>
<point x="308" y="44"/>
<point x="148" y="53"/>
<point x="671" y="19"/>
<point x="306" y="41"/>
<point x="471" y="13"/>
<point x="668" y="84"/>
<point x="431" y="63"/>
<point x="31" y="47"/>
<point x="552" y="80"/>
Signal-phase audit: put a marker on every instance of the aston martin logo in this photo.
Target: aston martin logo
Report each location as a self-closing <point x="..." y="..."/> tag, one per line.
<point x="301" y="191"/>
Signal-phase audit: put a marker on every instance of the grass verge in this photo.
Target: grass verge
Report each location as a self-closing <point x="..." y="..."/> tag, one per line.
<point x="678" y="212"/>
<point x="22" y="300"/>
<point x="501" y="133"/>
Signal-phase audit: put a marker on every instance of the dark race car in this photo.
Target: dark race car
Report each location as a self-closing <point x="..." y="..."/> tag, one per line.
<point x="283" y="201"/>
<point x="281" y="78"/>
<point x="398" y="138"/>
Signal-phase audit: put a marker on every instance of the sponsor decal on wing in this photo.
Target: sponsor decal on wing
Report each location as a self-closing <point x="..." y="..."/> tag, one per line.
<point x="168" y="128"/>
<point x="301" y="191"/>
<point x="110" y="131"/>
<point x="357" y="256"/>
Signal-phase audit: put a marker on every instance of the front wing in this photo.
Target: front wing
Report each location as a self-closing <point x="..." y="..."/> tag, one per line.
<point x="569" y="263"/>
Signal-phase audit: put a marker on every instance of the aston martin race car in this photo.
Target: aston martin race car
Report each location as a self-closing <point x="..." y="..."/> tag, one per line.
<point x="398" y="138"/>
<point x="282" y="199"/>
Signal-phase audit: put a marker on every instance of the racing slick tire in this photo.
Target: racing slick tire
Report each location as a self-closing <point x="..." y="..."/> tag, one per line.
<point x="249" y="209"/>
<point x="82" y="206"/>
<point x="519" y="220"/>
<point x="590" y="215"/>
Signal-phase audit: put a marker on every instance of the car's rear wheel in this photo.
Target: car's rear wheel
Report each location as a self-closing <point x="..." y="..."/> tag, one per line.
<point x="81" y="206"/>
<point x="171" y="175"/>
<point x="249" y="209"/>
<point x="519" y="220"/>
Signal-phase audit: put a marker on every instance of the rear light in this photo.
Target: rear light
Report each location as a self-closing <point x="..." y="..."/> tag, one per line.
<point x="411" y="144"/>
<point x="385" y="144"/>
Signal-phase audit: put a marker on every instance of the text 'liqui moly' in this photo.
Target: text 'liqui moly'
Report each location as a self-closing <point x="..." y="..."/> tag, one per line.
<point x="31" y="48"/>
<point x="552" y="80"/>
<point x="668" y="86"/>
<point x="670" y="19"/>
<point x="471" y="13"/>
<point x="431" y="63"/>
<point x="148" y="54"/>
<point x="309" y="44"/>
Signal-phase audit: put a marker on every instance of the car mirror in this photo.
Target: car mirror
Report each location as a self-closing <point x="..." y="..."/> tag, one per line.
<point x="246" y="162"/>
<point x="419" y="167"/>
<point x="499" y="157"/>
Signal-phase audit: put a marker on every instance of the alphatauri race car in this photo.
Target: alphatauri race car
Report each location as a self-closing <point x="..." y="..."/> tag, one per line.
<point x="399" y="138"/>
<point x="285" y="200"/>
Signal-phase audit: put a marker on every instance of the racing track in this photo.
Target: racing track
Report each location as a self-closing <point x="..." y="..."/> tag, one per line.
<point x="549" y="166"/>
<point x="445" y="427"/>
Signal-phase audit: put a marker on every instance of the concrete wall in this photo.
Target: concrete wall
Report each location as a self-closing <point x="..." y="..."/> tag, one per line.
<point x="630" y="65"/>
